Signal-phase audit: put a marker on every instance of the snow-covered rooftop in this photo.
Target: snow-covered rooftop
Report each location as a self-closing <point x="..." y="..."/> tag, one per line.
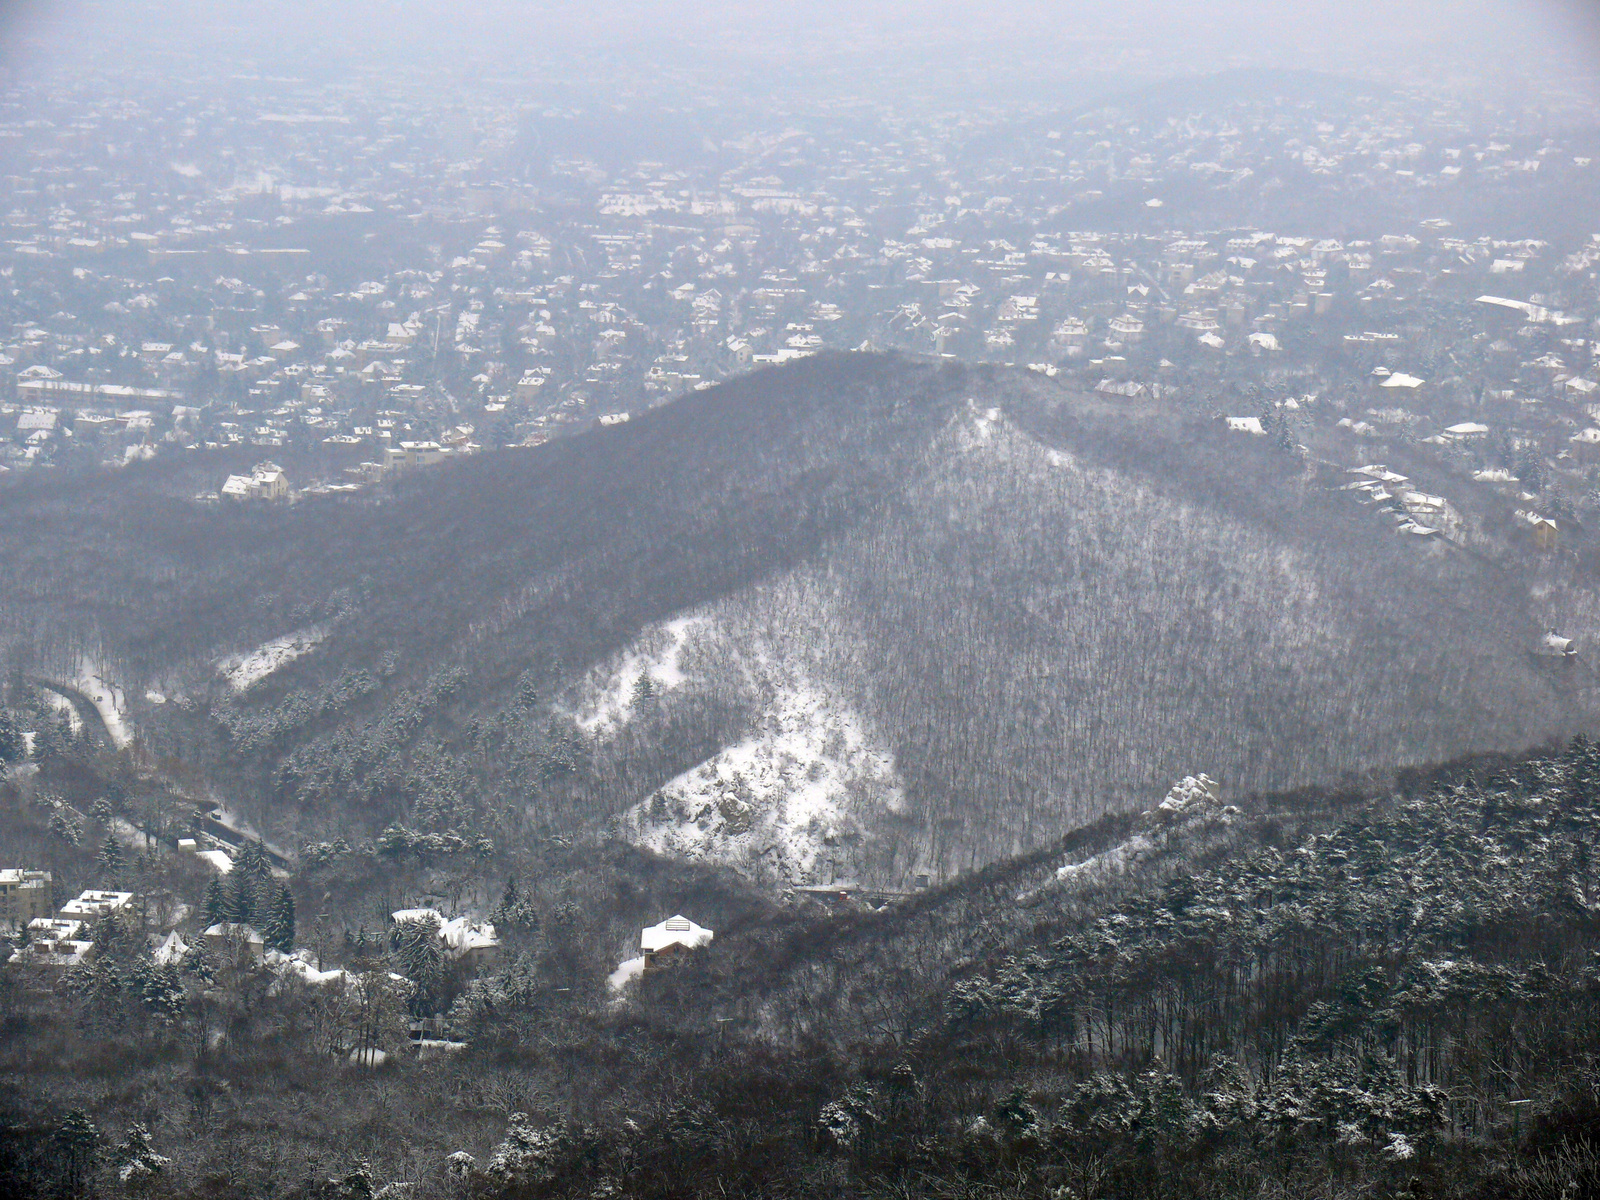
<point x="676" y="930"/>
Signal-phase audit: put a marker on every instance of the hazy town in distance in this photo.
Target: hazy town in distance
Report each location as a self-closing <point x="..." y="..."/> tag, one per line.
<point x="865" y="600"/>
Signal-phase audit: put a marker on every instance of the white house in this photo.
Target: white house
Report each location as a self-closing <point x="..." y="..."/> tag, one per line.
<point x="266" y="481"/>
<point x="92" y="904"/>
<point x="677" y="934"/>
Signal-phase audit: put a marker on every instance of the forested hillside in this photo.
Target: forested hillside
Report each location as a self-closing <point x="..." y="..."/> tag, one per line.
<point x="1331" y="995"/>
<point x="855" y="617"/>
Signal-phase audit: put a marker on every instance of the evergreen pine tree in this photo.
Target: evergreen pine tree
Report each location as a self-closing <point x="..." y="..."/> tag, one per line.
<point x="644" y="691"/>
<point x="217" y="908"/>
<point x="252" y="860"/>
<point x="111" y="859"/>
<point x="241" y="900"/>
<point x="510" y="899"/>
<point x="76" y="1139"/>
<point x="13" y="747"/>
<point x="420" y="952"/>
<point x="250" y="886"/>
<point x="279" y="931"/>
<point x="357" y="1185"/>
<point x="140" y="1165"/>
<point x="66" y="826"/>
<point x="515" y="910"/>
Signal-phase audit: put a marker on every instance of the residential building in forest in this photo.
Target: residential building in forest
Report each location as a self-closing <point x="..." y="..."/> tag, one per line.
<point x="24" y="896"/>
<point x="664" y="943"/>
<point x="93" y="904"/>
<point x="240" y="943"/>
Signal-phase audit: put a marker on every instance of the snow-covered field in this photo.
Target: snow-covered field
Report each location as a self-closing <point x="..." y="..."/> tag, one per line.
<point x="129" y="835"/>
<point x="244" y="671"/>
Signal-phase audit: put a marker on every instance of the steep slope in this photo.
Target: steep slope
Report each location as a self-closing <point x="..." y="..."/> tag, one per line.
<point x="856" y="617"/>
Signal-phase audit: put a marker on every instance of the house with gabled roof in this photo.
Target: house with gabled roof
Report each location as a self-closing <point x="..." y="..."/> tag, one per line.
<point x="664" y="943"/>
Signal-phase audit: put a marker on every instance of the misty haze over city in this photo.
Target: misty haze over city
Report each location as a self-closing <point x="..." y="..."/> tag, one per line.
<point x="800" y="600"/>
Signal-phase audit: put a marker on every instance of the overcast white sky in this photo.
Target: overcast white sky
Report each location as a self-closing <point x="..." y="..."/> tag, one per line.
<point x="1418" y="39"/>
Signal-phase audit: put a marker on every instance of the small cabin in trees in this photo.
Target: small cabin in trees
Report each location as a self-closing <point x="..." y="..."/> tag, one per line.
<point x="470" y="942"/>
<point x="664" y="943"/>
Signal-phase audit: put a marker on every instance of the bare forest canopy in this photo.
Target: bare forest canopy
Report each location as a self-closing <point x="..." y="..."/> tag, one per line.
<point x="855" y="616"/>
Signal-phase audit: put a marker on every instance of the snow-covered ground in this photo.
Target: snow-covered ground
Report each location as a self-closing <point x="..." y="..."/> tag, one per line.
<point x="606" y="699"/>
<point x="62" y="705"/>
<point x="1120" y="856"/>
<point x="1191" y="800"/>
<point x="244" y="829"/>
<point x="302" y="964"/>
<point x="627" y="971"/>
<point x="244" y="671"/>
<point x="787" y="801"/>
<point x="218" y="859"/>
<point x="129" y="835"/>
<point x="108" y="701"/>
<point x="977" y="426"/>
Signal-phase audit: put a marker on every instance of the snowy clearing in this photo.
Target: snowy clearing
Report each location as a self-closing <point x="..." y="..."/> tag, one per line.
<point x="979" y="425"/>
<point x="607" y="697"/>
<point x="244" y="671"/>
<point x="1192" y="801"/>
<point x="786" y="802"/>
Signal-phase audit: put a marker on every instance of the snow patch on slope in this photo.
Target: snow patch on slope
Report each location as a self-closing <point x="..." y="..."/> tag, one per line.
<point x="787" y="801"/>
<point x="977" y="426"/>
<point x="244" y="671"/>
<point x="627" y="971"/>
<point x="1193" y="800"/>
<point x="108" y="701"/>
<point x="62" y="705"/>
<point x="606" y="701"/>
